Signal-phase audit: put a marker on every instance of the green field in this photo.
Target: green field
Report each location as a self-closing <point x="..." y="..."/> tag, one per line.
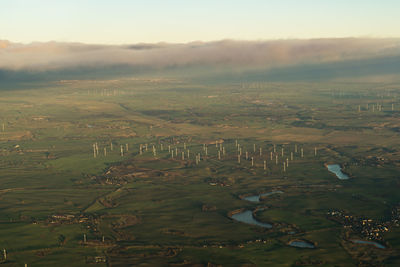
<point x="153" y="209"/>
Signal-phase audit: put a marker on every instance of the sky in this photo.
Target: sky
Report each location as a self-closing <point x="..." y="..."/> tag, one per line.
<point x="182" y="21"/>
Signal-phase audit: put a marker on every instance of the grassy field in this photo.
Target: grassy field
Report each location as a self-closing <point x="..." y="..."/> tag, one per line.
<point x="152" y="209"/>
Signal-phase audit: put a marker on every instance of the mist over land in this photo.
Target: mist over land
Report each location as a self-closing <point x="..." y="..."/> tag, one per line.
<point x="277" y="60"/>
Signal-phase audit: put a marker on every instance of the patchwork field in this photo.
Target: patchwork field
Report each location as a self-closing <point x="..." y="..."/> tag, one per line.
<point x="148" y="172"/>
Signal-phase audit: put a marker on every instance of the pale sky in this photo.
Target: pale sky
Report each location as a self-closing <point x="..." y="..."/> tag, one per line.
<point x="134" y="21"/>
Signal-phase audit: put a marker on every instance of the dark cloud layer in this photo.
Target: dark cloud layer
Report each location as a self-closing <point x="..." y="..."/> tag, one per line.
<point x="229" y="53"/>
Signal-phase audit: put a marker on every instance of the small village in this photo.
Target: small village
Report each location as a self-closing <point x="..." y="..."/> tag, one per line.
<point x="365" y="227"/>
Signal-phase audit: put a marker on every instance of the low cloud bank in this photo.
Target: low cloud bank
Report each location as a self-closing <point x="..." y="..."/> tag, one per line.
<point x="230" y="53"/>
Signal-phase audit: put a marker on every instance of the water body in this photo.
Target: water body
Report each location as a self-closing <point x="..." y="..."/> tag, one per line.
<point x="337" y="170"/>
<point x="247" y="217"/>
<point x="301" y="244"/>
<point x="368" y="243"/>
<point x="256" y="198"/>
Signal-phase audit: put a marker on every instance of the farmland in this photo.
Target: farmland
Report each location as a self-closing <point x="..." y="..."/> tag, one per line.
<point x="150" y="170"/>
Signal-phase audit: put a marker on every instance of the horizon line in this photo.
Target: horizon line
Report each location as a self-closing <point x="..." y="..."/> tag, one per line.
<point x="204" y="41"/>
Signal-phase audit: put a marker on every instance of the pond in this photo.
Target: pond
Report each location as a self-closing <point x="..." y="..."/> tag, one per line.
<point x="337" y="170"/>
<point x="301" y="244"/>
<point x="368" y="243"/>
<point x="256" y="198"/>
<point x="247" y="217"/>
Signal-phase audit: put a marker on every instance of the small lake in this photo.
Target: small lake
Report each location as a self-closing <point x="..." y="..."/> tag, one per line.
<point x="337" y="170"/>
<point x="368" y="243"/>
<point x="301" y="244"/>
<point x="256" y="198"/>
<point x="247" y="217"/>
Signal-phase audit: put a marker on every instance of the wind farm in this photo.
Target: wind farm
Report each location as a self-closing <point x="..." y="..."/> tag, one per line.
<point x="190" y="177"/>
<point x="199" y="133"/>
